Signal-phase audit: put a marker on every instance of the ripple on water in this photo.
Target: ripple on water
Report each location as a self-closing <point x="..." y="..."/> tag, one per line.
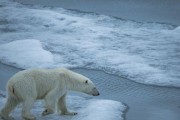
<point x="143" y="100"/>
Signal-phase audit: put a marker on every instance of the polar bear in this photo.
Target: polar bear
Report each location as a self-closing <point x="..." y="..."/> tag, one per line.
<point x="51" y="85"/>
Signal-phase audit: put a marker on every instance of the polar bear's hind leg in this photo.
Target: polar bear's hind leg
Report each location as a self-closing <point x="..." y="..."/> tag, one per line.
<point x="9" y="106"/>
<point x="27" y="105"/>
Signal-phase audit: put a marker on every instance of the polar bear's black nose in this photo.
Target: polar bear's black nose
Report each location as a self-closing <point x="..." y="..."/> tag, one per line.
<point x="95" y="92"/>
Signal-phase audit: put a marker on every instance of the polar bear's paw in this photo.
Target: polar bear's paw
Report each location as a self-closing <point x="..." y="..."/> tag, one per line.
<point x="29" y="117"/>
<point x="5" y="117"/>
<point x="69" y="113"/>
<point x="47" y="112"/>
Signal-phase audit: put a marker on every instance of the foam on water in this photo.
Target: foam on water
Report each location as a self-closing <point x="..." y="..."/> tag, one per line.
<point x="144" y="52"/>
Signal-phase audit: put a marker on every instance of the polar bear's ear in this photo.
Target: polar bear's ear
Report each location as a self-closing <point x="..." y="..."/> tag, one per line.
<point x="86" y="81"/>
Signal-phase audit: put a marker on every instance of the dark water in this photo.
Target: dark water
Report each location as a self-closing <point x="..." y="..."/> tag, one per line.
<point x="164" y="11"/>
<point x="5" y="73"/>
<point x="144" y="102"/>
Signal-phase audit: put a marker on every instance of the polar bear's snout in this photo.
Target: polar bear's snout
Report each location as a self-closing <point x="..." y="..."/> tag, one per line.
<point x="95" y="92"/>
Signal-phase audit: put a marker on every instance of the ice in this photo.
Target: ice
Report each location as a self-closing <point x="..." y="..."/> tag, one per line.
<point x="25" y="54"/>
<point x="107" y="110"/>
<point x="87" y="109"/>
<point x="143" y="52"/>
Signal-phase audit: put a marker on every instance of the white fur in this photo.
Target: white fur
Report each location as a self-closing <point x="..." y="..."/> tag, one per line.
<point x="51" y="85"/>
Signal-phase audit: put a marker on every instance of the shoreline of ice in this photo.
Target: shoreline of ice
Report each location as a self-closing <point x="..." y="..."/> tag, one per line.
<point x="36" y="57"/>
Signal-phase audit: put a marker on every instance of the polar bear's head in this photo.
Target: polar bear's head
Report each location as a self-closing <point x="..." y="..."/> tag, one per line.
<point x="88" y="87"/>
<point x="78" y="82"/>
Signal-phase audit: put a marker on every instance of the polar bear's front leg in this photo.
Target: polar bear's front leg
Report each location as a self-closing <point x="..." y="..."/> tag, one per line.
<point x="50" y="101"/>
<point x="62" y="106"/>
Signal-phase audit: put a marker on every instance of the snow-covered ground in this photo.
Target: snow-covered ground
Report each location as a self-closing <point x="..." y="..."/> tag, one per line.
<point x="87" y="109"/>
<point x="144" y="52"/>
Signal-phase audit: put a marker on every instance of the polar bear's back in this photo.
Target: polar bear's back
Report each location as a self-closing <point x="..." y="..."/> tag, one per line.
<point x="25" y="75"/>
<point x="39" y="81"/>
<point x="35" y="75"/>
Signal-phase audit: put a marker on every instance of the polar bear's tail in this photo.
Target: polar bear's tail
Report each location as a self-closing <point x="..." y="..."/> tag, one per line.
<point x="11" y="91"/>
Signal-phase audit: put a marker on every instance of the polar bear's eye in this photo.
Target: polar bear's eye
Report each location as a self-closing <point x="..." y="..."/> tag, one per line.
<point x="86" y="81"/>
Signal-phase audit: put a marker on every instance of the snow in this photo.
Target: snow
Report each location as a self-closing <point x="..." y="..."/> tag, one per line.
<point x="143" y="52"/>
<point x="104" y="110"/>
<point x="25" y="54"/>
<point x="87" y="109"/>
